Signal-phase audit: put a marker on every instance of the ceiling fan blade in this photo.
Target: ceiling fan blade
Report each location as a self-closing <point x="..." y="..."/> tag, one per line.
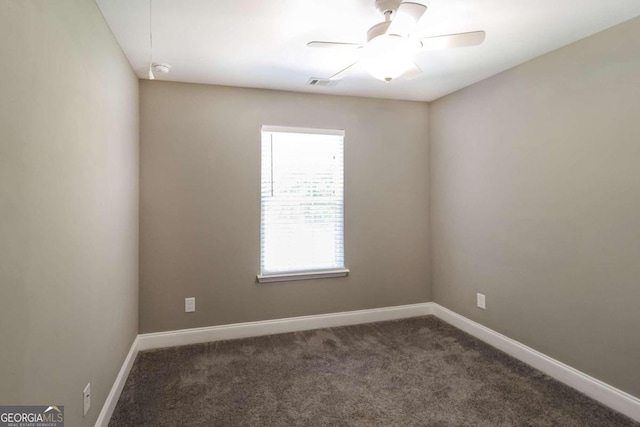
<point x="333" y="45"/>
<point x="343" y="73"/>
<point x="413" y="72"/>
<point x="473" y="38"/>
<point x="405" y="18"/>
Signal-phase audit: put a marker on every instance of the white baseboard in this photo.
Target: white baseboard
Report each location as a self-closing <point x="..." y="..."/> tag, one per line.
<point x="118" y="385"/>
<point x="279" y="326"/>
<point x="592" y="387"/>
<point x="596" y="389"/>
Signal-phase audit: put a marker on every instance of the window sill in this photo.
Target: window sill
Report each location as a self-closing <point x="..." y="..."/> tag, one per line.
<point x="306" y="275"/>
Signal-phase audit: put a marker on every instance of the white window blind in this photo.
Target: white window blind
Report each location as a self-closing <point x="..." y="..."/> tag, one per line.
<point x="302" y="215"/>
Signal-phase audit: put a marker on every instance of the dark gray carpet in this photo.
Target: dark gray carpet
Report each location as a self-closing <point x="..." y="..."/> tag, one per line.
<point x="412" y="372"/>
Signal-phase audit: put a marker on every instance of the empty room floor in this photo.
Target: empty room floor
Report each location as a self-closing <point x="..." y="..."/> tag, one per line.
<point x="418" y="371"/>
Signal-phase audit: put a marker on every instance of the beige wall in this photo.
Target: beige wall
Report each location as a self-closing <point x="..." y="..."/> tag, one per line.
<point x="200" y="204"/>
<point x="68" y="205"/>
<point x="535" y="187"/>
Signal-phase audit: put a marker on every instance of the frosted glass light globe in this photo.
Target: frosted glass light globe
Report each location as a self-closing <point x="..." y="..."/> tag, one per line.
<point x="387" y="57"/>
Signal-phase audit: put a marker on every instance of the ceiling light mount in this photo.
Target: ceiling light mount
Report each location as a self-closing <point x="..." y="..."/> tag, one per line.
<point x="160" y="68"/>
<point x="387" y="7"/>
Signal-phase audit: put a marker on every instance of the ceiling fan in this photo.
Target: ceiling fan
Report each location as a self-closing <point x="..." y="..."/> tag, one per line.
<point x="390" y="49"/>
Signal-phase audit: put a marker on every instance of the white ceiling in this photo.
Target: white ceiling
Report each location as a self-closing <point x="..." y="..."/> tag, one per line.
<point x="262" y="43"/>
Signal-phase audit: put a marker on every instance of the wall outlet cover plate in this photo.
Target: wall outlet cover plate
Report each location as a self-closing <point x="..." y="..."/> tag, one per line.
<point x="189" y="305"/>
<point x="482" y="302"/>
<point x="86" y="393"/>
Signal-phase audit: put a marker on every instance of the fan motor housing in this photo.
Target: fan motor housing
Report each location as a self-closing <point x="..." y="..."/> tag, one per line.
<point x="377" y="30"/>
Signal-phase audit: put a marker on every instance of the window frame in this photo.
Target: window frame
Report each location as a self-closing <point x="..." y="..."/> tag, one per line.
<point x="302" y="274"/>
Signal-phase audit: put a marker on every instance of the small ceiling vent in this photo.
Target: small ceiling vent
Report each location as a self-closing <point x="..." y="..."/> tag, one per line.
<point x="316" y="81"/>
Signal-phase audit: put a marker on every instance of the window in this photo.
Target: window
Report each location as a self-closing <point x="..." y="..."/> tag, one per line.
<point x="302" y="214"/>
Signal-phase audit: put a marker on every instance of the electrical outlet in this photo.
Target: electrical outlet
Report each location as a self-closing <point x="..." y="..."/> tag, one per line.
<point x="482" y="302"/>
<point x="189" y="305"/>
<point x="86" y="393"/>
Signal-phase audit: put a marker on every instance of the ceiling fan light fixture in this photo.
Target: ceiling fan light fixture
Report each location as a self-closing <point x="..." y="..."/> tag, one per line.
<point x="391" y="48"/>
<point x="386" y="69"/>
<point x="387" y="57"/>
